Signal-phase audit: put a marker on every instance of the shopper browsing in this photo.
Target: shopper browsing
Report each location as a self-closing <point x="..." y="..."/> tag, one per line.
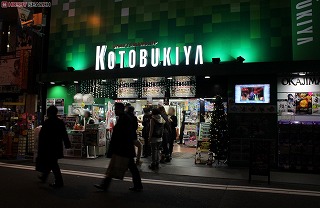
<point x="137" y="143"/>
<point x="165" y="157"/>
<point x="173" y="134"/>
<point x="155" y="137"/>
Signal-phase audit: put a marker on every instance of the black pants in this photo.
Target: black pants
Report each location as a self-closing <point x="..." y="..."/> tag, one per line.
<point x="136" y="178"/>
<point x="146" y="147"/>
<point x="54" y="167"/>
<point x="171" y="142"/>
<point x="165" y="144"/>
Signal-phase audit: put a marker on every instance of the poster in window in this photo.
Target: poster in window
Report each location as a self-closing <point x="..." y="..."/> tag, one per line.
<point x="153" y="87"/>
<point x="303" y="103"/>
<point x="316" y="103"/>
<point x="127" y="88"/>
<point x="183" y="86"/>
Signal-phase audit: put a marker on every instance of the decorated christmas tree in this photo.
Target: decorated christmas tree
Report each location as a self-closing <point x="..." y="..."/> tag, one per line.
<point x="219" y="137"/>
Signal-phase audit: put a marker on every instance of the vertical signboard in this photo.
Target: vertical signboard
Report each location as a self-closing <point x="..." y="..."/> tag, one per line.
<point x="305" y="16"/>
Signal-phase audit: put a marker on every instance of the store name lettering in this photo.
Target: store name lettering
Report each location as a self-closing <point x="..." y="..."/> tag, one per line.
<point x="304" y="22"/>
<point x="301" y="81"/>
<point x="145" y="57"/>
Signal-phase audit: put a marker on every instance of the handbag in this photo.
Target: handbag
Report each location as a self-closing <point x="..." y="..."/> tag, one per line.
<point x="118" y="167"/>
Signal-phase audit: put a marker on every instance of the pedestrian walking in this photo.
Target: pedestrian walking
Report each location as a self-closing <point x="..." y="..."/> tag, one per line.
<point x="155" y="137"/>
<point x="122" y="151"/>
<point x="50" y="147"/>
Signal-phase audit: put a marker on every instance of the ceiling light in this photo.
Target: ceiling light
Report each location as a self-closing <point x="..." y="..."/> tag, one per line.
<point x="135" y="79"/>
<point x="302" y="73"/>
<point x="76" y="82"/>
<point x="207" y="77"/>
<point x="52" y="83"/>
<point x="169" y="78"/>
<point x="62" y="85"/>
<point x="104" y="80"/>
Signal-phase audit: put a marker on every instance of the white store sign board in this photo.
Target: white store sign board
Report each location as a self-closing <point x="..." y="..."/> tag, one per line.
<point x="298" y="84"/>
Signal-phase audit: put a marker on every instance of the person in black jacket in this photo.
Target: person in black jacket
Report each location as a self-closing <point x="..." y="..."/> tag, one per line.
<point x="122" y="144"/>
<point x="50" y="148"/>
<point x="145" y="132"/>
<point x="173" y="124"/>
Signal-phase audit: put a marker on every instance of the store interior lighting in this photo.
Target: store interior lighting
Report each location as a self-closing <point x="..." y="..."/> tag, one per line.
<point x="76" y="82"/>
<point x="207" y="77"/>
<point x="302" y="73"/>
<point x="215" y="60"/>
<point x="135" y="79"/>
<point x="104" y="80"/>
<point x="169" y="78"/>
<point x="52" y="83"/>
<point x="240" y="59"/>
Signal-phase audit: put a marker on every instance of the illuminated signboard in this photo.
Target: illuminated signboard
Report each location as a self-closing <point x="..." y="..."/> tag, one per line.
<point x="108" y="60"/>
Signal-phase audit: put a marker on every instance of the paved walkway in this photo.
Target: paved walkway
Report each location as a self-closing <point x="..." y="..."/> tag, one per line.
<point x="186" y="167"/>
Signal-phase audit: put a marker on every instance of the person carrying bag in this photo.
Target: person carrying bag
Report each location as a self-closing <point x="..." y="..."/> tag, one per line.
<point x="122" y="151"/>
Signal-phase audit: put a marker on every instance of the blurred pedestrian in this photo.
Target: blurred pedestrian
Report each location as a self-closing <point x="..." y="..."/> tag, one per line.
<point x="145" y="132"/>
<point x="122" y="151"/>
<point x="165" y="157"/>
<point x="137" y="143"/>
<point x="155" y="137"/>
<point x="173" y="124"/>
<point x="50" y="147"/>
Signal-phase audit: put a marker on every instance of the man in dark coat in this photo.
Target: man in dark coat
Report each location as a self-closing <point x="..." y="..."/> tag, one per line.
<point x="51" y="138"/>
<point x="122" y="144"/>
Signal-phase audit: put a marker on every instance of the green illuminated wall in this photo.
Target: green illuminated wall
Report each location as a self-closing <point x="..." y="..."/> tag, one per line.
<point x="60" y="92"/>
<point x="258" y="30"/>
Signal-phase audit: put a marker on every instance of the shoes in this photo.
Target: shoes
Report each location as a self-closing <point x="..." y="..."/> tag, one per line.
<point x="168" y="159"/>
<point x="136" y="189"/>
<point x="154" y="166"/>
<point x="104" y="185"/>
<point x="56" y="185"/>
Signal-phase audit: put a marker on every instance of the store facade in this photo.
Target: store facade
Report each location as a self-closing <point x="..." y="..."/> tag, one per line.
<point x="179" y="53"/>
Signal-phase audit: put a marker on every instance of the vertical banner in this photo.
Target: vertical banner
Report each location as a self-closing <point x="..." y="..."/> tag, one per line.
<point x="305" y="16"/>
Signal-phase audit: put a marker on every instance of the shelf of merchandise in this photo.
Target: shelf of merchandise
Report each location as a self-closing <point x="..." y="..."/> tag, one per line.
<point x="203" y="144"/>
<point x="76" y="140"/>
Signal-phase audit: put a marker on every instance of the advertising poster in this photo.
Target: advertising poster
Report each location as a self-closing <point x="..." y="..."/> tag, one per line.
<point x="184" y="86"/>
<point x="59" y="103"/>
<point x="303" y="103"/>
<point x="127" y="88"/>
<point x="316" y="103"/>
<point x="153" y="87"/>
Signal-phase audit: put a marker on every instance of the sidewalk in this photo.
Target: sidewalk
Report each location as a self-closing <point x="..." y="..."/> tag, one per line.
<point x="186" y="167"/>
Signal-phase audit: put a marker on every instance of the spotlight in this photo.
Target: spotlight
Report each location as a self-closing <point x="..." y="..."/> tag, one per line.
<point x="52" y="83"/>
<point x="215" y="60"/>
<point x="76" y="82"/>
<point x="302" y="73"/>
<point x="240" y="59"/>
<point x="70" y="69"/>
<point x="207" y="77"/>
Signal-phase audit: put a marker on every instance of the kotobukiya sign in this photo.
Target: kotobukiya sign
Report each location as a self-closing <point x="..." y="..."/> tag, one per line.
<point x="305" y="29"/>
<point x="106" y="60"/>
